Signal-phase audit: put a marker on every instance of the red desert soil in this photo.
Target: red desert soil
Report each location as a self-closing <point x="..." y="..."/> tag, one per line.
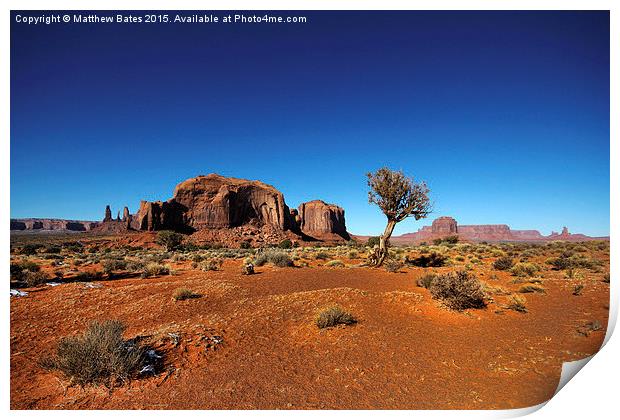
<point x="406" y="352"/>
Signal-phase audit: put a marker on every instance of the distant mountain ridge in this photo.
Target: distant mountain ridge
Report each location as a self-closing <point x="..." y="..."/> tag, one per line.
<point x="448" y="226"/>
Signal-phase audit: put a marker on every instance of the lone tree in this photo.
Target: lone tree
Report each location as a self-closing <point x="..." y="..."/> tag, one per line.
<point x="169" y="239"/>
<point x="398" y="197"/>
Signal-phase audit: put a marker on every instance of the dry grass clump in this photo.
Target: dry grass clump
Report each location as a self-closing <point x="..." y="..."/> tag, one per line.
<point x="333" y="316"/>
<point x="531" y="288"/>
<point x="184" y="294"/>
<point x="517" y="303"/>
<point x="524" y="269"/>
<point x="334" y="263"/>
<point x="393" y="266"/>
<point x="426" y="280"/>
<point x="247" y="268"/>
<point x="211" y="264"/>
<point x="275" y="257"/>
<point x="154" y="269"/>
<point x="27" y="273"/>
<point x="98" y="356"/>
<point x="578" y="289"/>
<point x="503" y="263"/>
<point x="458" y="290"/>
<point x="433" y="259"/>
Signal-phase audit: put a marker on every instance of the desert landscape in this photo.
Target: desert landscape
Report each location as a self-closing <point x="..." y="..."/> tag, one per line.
<point x="224" y="298"/>
<point x="306" y="209"/>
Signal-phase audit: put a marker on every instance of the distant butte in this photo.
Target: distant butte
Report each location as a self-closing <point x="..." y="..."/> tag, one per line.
<point x="448" y="226"/>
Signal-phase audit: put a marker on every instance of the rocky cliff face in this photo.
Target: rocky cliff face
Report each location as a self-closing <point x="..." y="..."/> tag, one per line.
<point x="319" y="219"/>
<point x="214" y="202"/>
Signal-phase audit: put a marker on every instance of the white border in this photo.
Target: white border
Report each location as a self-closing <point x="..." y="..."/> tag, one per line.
<point x="592" y="395"/>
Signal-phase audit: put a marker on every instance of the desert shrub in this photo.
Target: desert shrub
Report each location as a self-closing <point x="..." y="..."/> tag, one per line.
<point x="426" y="280"/>
<point x="247" y="268"/>
<point x="245" y="245"/>
<point x="88" y="276"/>
<point x="524" y="269"/>
<point x="184" y="294"/>
<point x="169" y="239"/>
<point x="53" y="249"/>
<point x="459" y="258"/>
<point x="211" y="264"/>
<point x="73" y="246"/>
<point x="334" y="263"/>
<point x="30" y="249"/>
<point x="112" y="265"/>
<point x="333" y="316"/>
<point x="578" y="289"/>
<point x="352" y="255"/>
<point x="98" y="356"/>
<point x="275" y="257"/>
<point x="531" y="288"/>
<point x="285" y="244"/>
<point x="373" y="241"/>
<point x="606" y="278"/>
<point x="393" y="266"/>
<point x="321" y="256"/>
<point x="154" y="269"/>
<point x="503" y="263"/>
<point x="517" y="303"/>
<point x="135" y="266"/>
<point x="458" y="290"/>
<point x="433" y="259"/>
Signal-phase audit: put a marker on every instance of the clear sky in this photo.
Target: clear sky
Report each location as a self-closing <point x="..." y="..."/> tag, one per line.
<point x="505" y="115"/>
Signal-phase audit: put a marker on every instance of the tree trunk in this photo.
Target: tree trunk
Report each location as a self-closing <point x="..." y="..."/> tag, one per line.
<point x="382" y="252"/>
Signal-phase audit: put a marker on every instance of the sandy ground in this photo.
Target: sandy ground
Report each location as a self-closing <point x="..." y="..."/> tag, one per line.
<point x="406" y="351"/>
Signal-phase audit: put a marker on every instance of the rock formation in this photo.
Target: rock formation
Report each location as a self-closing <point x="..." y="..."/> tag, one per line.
<point x="108" y="214"/>
<point x="318" y="219"/>
<point x="446" y="226"/>
<point x="51" y="225"/>
<point x="225" y="210"/>
<point x="215" y="202"/>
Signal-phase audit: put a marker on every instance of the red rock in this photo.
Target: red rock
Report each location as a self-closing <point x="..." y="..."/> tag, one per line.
<point x="318" y="219"/>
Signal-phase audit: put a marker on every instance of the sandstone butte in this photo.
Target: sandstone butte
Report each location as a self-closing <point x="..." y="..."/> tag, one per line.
<point x="447" y="226"/>
<point x="228" y="210"/>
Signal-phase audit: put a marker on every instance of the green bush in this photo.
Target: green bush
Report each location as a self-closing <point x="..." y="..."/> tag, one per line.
<point x="373" y="241"/>
<point x="245" y="245"/>
<point x="169" y="239"/>
<point x="285" y="244"/>
<point x="458" y="290"/>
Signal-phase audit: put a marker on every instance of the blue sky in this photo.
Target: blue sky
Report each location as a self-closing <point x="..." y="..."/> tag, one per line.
<point x="505" y="115"/>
